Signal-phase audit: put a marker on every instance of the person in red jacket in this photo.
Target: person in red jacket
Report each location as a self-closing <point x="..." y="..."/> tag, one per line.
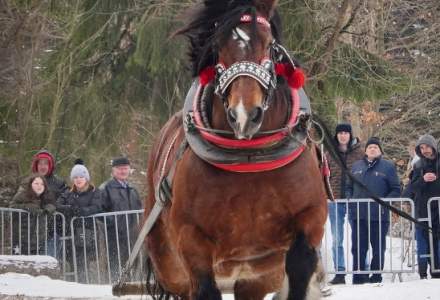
<point x="43" y="163"/>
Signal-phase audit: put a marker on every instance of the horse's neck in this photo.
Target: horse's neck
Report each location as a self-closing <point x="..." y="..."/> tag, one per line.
<point x="275" y="117"/>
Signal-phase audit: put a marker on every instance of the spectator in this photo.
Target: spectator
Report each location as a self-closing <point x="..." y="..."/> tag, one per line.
<point x="35" y="198"/>
<point x="43" y="163"/>
<point x="350" y="151"/>
<point x="368" y="220"/>
<point x="424" y="184"/>
<point x="119" y="195"/>
<point x="81" y="201"/>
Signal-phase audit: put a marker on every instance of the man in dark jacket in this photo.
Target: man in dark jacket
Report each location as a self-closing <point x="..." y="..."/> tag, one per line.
<point x="424" y="184"/>
<point x="43" y="163"/>
<point x="119" y="195"/>
<point x="350" y="151"/>
<point x="368" y="220"/>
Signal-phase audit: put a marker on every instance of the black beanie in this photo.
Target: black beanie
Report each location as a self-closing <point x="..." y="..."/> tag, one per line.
<point x="374" y="140"/>
<point x="343" y="127"/>
<point x="120" y="161"/>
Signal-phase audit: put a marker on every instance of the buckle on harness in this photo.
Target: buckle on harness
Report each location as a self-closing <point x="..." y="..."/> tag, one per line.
<point x="189" y="122"/>
<point x="165" y="192"/>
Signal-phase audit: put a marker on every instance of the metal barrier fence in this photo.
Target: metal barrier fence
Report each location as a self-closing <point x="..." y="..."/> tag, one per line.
<point x="101" y="245"/>
<point x="92" y="249"/>
<point x="25" y="233"/>
<point x="434" y="241"/>
<point x="372" y="241"/>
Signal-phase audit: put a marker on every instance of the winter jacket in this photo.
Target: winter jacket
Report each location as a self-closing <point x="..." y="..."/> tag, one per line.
<point x="34" y="227"/>
<point x="56" y="185"/>
<point x="118" y="198"/>
<point x="421" y="191"/>
<point x="338" y="177"/>
<point x="80" y="204"/>
<point x="380" y="177"/>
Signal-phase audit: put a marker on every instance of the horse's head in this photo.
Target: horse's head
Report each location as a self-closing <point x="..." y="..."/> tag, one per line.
<point x="236" y="37"/>
<point x="246" y="74"/>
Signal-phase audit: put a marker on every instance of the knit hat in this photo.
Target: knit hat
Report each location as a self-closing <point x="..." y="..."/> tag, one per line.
<point x="79" y="170"/>
<point x="374" y="140"/>
<point x="343" y="127"/>
<point x="120" y="161"/>
<point x="426" y="139"/>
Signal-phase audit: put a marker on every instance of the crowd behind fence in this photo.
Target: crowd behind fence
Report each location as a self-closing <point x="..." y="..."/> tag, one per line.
<point x="400" y="242"/>
<point x="94" y="249"/>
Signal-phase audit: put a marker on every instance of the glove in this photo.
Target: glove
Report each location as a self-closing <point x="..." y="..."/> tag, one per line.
<point x="49" y="209"/>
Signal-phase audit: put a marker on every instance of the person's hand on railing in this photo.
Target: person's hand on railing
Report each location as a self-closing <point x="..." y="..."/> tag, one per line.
<point x="49" y="209"/>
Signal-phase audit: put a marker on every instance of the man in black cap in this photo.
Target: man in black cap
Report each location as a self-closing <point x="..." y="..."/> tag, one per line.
<point x="350" y="150"/>
<point x="119" y="195"/>
<point x="369" y="222"/>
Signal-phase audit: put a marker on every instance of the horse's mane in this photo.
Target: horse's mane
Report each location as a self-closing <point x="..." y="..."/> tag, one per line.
<point x="211" y="22"/>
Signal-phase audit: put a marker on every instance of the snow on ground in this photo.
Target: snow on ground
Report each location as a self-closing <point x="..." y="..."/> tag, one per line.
<point x="37" y="261"/>
<point x="42" y="286"/>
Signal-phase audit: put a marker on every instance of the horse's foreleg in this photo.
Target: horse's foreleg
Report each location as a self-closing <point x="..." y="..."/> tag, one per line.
<point x="196" y="252"/>
<point x="302" y="257"/>
<point x="301" y="264"/>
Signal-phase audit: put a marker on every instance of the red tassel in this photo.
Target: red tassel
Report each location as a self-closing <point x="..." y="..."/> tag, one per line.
<point x="206" y="75"/>
<point x="296" y="78"/>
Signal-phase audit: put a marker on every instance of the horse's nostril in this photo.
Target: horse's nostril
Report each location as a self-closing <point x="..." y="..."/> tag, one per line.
<point x="256" y="114"/>
<point x="232" y="115"/>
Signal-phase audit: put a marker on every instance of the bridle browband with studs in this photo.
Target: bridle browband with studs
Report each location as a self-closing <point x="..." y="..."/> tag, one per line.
<point x="264" y="72"/>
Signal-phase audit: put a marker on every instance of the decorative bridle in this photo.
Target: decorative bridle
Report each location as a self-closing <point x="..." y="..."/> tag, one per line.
<point x="264" y="72"/>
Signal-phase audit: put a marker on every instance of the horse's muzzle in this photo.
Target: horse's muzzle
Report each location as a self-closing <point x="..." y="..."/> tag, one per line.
<point x="245" y="124"/>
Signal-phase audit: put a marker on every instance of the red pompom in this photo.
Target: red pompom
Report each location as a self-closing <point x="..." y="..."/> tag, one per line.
<point x="280" y="69"/>
<point x="206" y="75"/>
<point x="296" y="79"/>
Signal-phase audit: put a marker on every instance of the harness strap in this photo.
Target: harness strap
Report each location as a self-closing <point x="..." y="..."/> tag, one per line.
<point x="166" y="184"/>
<point x="163" y="196"/>
<point x="146" y="228"/>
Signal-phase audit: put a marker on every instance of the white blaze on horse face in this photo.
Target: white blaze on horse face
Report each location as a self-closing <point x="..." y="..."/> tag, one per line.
<point x="242" y="116"/>
<point x="242" y="36"/>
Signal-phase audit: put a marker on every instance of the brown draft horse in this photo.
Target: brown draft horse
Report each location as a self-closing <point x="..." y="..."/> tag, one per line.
<point x="252" y="233"/>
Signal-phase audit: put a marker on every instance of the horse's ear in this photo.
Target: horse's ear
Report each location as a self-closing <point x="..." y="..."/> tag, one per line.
<point x="266" y="7"/>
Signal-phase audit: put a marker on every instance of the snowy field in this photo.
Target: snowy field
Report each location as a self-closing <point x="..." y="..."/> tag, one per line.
<point x="45" y="288"/>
